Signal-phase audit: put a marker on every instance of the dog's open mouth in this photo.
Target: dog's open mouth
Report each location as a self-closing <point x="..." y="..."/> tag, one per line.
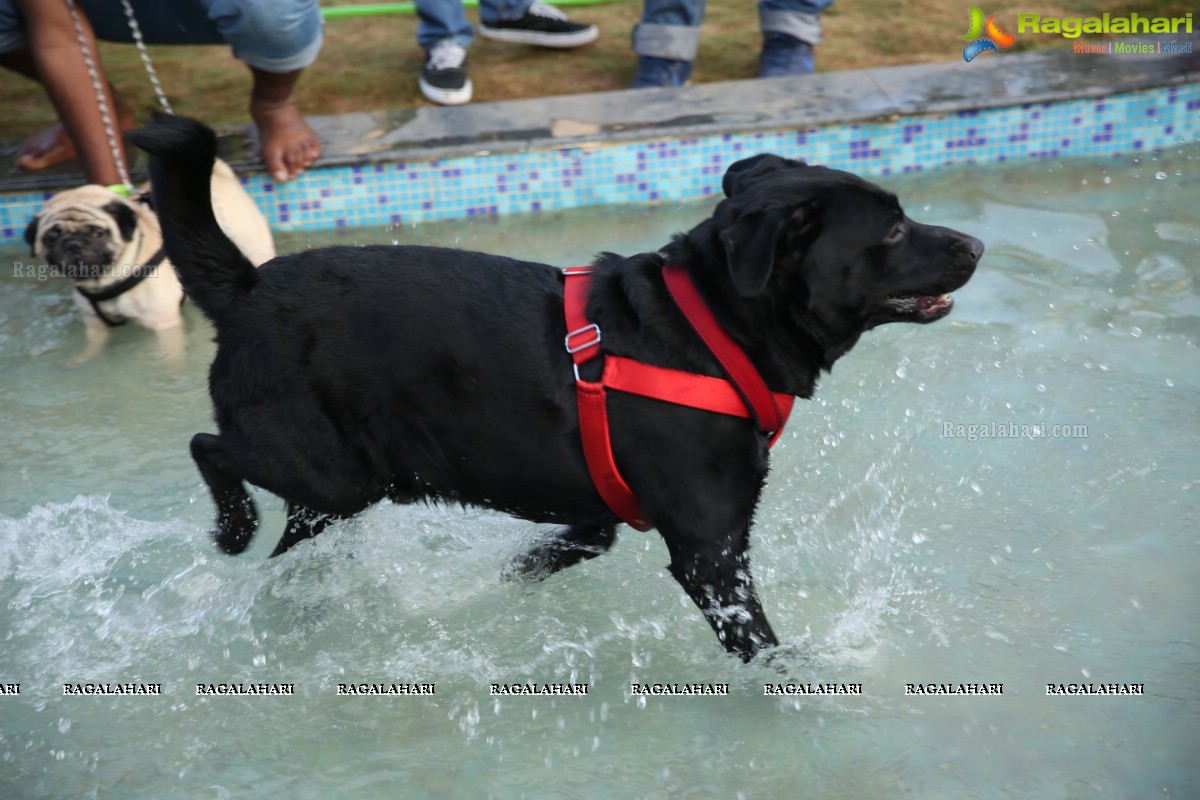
<point x="921" y="308"/>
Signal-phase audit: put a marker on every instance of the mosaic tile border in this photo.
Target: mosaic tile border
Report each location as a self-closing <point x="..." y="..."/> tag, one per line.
<point x="689" y="168"/>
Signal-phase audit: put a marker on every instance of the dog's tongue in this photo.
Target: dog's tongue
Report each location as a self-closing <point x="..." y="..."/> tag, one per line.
<point x="931" y="305"/>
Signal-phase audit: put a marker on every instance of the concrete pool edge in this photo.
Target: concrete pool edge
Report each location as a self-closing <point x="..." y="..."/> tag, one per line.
<point x="541" y="154"/>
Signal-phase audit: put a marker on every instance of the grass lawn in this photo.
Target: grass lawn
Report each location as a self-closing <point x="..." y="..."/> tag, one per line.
<point x="372" y="63"/>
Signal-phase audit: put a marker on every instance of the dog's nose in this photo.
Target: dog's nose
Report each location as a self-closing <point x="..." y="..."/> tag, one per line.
<point x="974" y="247"/>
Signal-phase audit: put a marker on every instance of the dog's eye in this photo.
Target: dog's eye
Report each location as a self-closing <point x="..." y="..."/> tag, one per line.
<point x="896" y="234"/>
<point x="51" y="235"/>
<point x="96" y="232"/>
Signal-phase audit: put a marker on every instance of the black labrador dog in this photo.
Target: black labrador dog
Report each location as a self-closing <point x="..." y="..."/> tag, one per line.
<point x="347" y="375"/>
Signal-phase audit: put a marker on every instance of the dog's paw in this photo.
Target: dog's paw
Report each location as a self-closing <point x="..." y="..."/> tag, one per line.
<point x="785" y="659"/>
<point x="236" y="527"/>
<point x="232" y="543"/>
<point x="528" y="567"/>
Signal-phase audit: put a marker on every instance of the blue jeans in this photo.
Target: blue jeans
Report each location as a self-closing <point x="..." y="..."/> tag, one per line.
<point x="671" y="28"/>
<point x="445" y="19"/>
<point x="271" y="35"/>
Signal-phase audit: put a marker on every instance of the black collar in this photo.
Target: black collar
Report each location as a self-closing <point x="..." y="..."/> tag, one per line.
<point x="121" y="287"/>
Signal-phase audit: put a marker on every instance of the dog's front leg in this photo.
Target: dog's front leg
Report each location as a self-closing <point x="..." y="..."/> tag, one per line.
<point x="716" y="575"/>
<point x="97" y="335"/>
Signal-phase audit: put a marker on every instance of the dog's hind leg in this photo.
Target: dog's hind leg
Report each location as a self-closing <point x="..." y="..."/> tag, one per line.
<point x="565" y="548"/>
<point x="717" y="578"/>
<point x="302" y="523"/>
<point x="237" y="518"/>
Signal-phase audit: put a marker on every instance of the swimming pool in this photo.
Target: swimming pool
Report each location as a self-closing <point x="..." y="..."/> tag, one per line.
<point x="1008" y="496"/>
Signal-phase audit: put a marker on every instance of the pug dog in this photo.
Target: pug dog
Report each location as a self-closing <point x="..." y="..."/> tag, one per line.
<point x="111" y="249"/>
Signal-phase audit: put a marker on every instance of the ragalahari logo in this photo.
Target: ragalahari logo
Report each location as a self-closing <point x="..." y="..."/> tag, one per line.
<point x="984" y="37"/>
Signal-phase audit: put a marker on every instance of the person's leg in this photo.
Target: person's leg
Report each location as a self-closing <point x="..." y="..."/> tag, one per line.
<point x="497" y="10"/>
<point x="790" y="29"/>
<point x="289" y="145"/>
<point x="444" y="33"/>
<point x="12" y="28"/>
<point x="175" y="22"/>
<point x="666" y="41"/>
<point x="276" y="39"/>
<point x="440" y="20"/>
<point x="39" y="40"/>
<point x="53" y="145"/>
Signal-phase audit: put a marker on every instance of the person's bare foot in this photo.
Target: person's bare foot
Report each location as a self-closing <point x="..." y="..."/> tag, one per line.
<point x="54" y="146"/>
<point x="289" y="146"/>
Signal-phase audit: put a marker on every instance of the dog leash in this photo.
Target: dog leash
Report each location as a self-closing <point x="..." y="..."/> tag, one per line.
<point x="106" y="114"/>
<point x="121" y="287"/>
<point x="151" y="73"/>
<point x="745" y="394"/>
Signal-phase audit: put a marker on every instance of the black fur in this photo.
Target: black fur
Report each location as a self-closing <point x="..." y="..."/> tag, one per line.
<point x="124" y="216"/>
<point x="192" y="148"/>
<point x="31" y="231"/>
<point x="344" y="376"/>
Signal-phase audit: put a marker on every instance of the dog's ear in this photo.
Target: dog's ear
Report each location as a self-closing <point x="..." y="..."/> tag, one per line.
<point x="742" y="173"/>
<point x="125" y="217"/>
<point x="750" y="249"/>
<point x="31" y="231"/>
<point x="752" y="240"/>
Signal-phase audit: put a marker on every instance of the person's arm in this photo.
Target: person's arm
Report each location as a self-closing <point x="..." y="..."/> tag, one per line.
<point x="55" y="49"/>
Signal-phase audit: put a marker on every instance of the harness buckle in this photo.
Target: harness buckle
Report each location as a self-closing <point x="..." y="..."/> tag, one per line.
<point x="593" y="330"/>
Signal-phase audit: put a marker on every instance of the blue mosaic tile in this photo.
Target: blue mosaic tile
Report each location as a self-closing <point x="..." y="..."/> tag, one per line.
<point x="670" y="171"/>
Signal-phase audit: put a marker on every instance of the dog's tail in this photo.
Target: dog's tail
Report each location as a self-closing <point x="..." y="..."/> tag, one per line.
<point x="213" y="271"/>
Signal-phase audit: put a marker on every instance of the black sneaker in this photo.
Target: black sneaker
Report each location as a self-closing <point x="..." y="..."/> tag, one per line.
<point x="784" y="55"/>
<point x="444" y="77"/>
<point x="542" y="25"/>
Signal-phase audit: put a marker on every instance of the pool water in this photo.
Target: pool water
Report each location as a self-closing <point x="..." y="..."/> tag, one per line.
<point x="900" y="540"/>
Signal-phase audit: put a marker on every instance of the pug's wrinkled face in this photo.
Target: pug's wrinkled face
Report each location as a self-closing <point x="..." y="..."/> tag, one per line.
<point x="81" y="233"/>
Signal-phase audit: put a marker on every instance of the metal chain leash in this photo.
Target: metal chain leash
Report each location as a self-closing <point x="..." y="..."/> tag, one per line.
<point x="105" y="112"/>
<point x="105" y="115"/>
<point x="146" y="62"/>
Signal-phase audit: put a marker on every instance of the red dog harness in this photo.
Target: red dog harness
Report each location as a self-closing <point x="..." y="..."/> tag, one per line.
<point x="745" y="394"/>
